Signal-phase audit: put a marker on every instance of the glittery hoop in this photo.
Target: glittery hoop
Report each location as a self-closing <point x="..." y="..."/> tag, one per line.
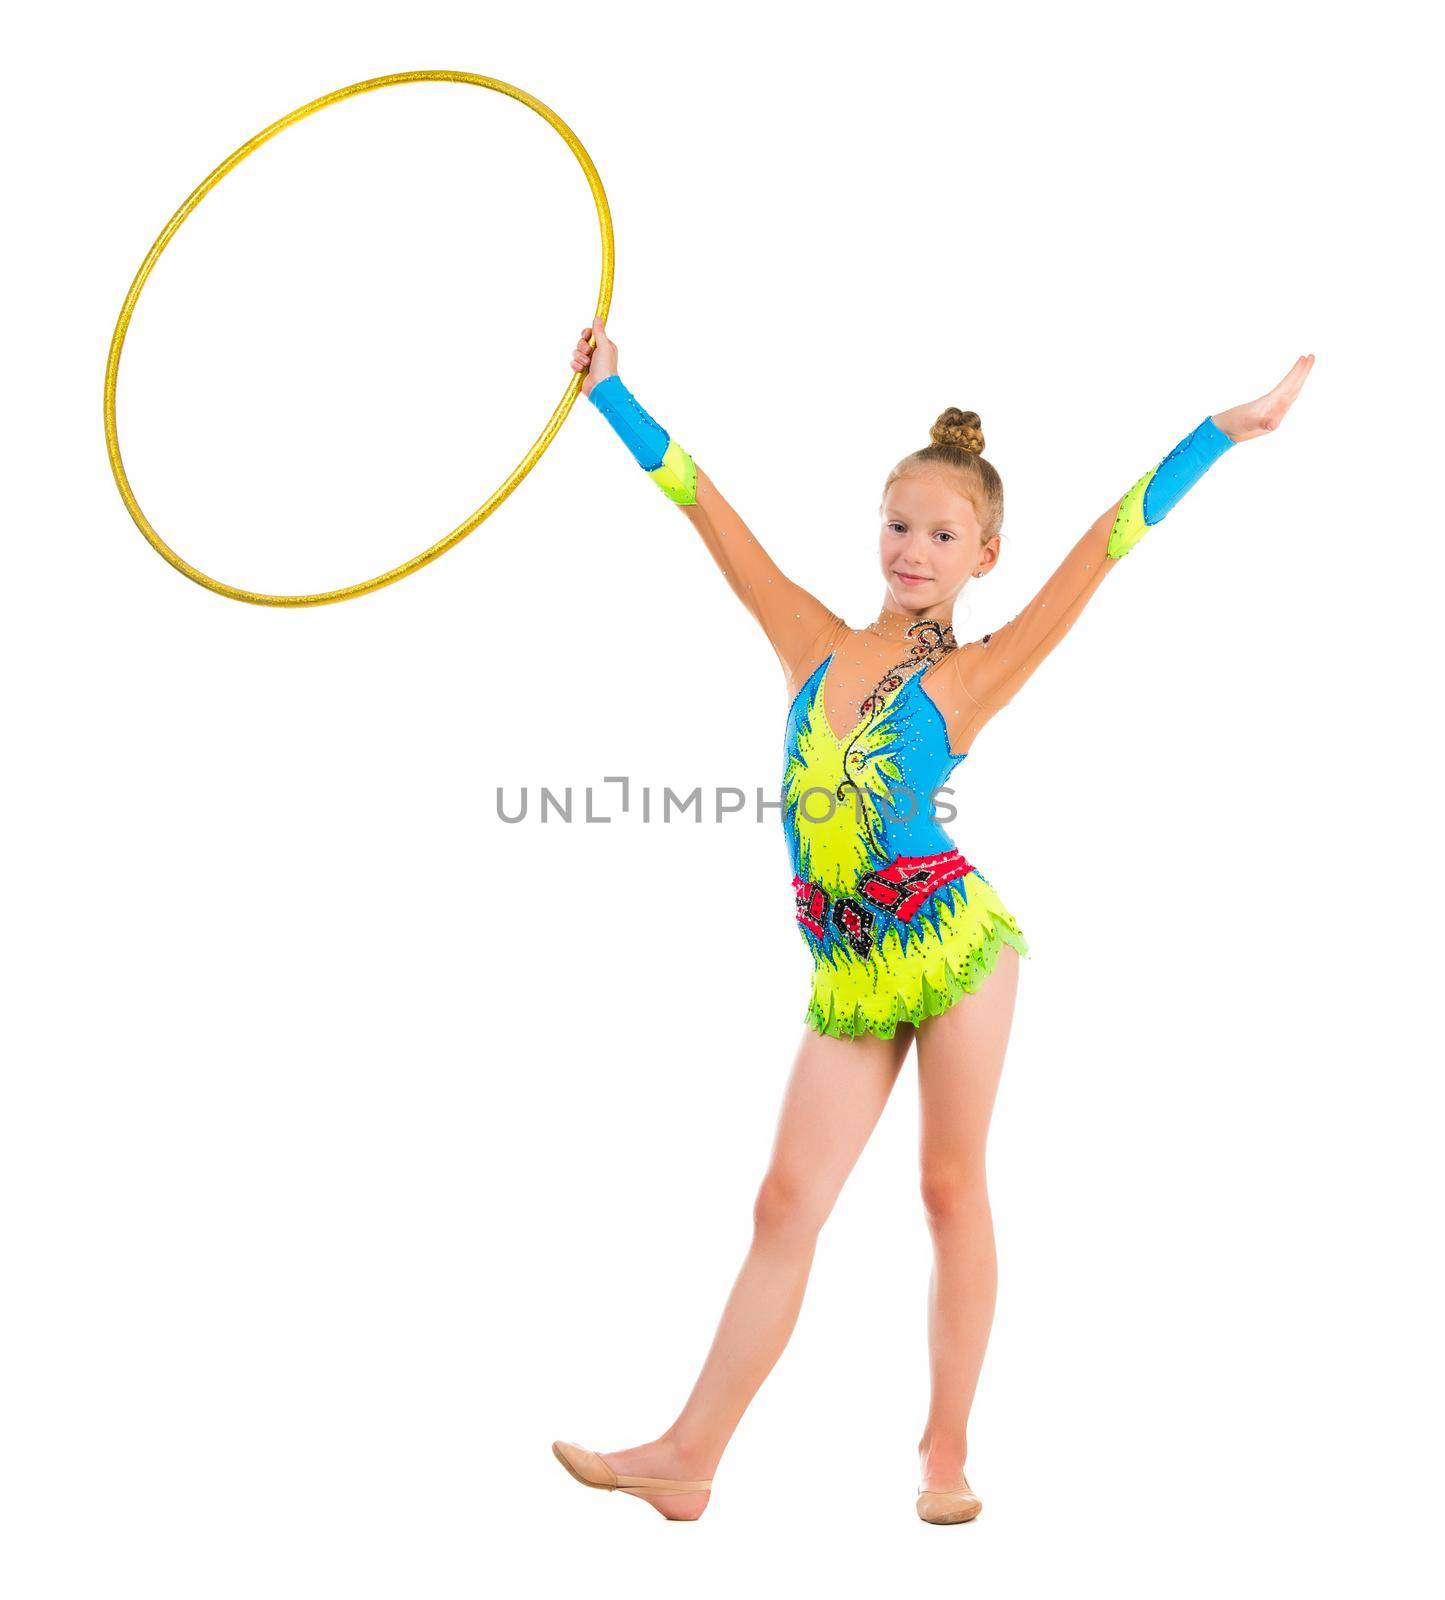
<point x="528" y="461"/>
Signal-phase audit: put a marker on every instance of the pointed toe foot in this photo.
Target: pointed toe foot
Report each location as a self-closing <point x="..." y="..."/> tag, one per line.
<point x="585" y="1465"/>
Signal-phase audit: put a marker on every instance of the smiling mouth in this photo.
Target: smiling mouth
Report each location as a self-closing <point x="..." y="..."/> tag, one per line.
<point x="913" y="577"/>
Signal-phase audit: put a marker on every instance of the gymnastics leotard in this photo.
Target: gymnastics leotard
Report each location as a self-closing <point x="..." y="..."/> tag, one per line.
<point x="898" y="923"/>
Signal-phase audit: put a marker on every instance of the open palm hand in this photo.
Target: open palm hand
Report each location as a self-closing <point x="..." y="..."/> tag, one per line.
<point x="1264" y="415"/>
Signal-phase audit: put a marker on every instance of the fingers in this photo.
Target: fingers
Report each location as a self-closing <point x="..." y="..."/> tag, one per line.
<point x="1289" y="385"/>
<point x="1287" y="389"/>
<point x="592" y="338"/>
<point x="1278" y="400"/>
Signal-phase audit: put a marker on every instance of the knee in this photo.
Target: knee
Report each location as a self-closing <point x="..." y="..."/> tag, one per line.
<point x="787" y="1205"/>
<point x="953" y="1192"/>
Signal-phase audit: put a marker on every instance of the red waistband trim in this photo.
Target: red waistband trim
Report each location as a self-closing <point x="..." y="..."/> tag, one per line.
<point x="899" y="888"/>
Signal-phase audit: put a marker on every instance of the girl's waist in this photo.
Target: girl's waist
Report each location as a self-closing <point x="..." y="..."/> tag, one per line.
<point x="899" y="888"/>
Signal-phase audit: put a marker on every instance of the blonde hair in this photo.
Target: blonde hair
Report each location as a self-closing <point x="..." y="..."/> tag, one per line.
<point x="957" y="445"/>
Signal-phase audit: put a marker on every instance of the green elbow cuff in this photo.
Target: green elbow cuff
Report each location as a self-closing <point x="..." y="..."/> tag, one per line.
<point x="1129" y="525"/>
<point x="677" y="475"/>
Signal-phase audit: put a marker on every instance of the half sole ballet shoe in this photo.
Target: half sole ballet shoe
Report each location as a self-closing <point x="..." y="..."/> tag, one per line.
<point x="949" y="1505"/>
<point x="589" y="1468"/>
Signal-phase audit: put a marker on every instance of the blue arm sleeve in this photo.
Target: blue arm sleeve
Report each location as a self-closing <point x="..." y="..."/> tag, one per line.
<point x="1156" y="494"/>
<point x="659" y="455"/>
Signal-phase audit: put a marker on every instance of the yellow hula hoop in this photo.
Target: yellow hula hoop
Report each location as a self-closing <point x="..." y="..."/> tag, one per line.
<point x="520" y="471"/>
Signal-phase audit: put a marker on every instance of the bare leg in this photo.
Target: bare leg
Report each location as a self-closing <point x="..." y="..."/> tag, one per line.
<point x="835" y="1095"/>
<point x="960" y="1059"/>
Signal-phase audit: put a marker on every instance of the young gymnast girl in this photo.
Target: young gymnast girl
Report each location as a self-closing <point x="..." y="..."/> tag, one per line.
<point x="911" y="944"/>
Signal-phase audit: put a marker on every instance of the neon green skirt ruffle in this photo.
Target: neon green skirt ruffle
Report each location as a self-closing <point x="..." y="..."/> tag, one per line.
<point x="951" y="949"/>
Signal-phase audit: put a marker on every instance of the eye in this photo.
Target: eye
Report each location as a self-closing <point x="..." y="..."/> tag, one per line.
<point x="891" y="525"/>
<point x="943" y="533"/>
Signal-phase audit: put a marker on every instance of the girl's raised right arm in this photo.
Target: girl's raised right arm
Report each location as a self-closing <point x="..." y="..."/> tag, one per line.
<point x="789" y="615"/>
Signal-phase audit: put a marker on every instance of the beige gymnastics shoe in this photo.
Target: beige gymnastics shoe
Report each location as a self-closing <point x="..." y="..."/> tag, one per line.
<point x="589" y="1468"/>
<point x="949" y="1505"/>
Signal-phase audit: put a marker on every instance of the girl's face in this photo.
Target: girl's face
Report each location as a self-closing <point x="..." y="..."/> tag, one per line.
<point x="930" y="542"/>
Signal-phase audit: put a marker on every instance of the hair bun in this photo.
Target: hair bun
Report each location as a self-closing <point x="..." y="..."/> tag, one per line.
<point x="960" y="430"/>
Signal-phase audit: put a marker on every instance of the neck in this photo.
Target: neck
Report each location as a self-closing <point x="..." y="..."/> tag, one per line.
<point x="929" y="628"/>
<point x="942" y="612"/>
<point x="895" y="621"/>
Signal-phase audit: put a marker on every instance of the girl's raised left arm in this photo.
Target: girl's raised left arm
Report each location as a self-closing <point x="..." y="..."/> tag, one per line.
<point x="992" y="669"/>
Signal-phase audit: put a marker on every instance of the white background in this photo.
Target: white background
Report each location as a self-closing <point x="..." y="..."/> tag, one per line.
<point x="357" y="1144"/>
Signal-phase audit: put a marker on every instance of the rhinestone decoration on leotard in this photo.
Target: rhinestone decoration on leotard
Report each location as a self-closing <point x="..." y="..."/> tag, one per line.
<point x="934" y="641"/>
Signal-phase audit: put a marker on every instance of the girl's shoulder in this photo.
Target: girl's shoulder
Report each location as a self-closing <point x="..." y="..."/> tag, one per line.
<point x="833" y="635"/>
